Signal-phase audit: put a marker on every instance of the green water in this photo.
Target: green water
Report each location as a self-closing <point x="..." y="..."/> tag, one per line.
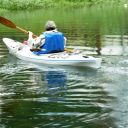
<point x="33" y="96"/>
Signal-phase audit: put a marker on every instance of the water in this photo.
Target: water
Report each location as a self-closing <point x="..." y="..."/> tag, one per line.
<point x="34" y="96"/>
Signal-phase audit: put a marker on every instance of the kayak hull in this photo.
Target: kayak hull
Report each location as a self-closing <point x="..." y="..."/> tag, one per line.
<point x="23" y="52"/>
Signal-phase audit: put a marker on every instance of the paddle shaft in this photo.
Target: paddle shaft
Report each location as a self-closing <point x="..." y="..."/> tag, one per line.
<point x="23" y="30"/>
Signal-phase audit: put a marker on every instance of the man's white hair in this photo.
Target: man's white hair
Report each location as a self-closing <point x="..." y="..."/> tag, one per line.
<point x="50" y="24"/>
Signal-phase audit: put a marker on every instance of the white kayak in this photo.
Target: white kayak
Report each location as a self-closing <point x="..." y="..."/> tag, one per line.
<point x="23" y="52"/>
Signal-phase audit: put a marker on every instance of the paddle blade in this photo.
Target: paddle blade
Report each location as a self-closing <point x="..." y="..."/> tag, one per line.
<point x="7" y="22"/>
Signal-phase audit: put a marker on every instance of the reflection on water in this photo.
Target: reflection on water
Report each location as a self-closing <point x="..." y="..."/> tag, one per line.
<point x="41" y="96"/>
<point x="56" y="81"/>
<point x="117" y="69"/>
<point x="115" y="45"/>
<point x="96" y="27"/>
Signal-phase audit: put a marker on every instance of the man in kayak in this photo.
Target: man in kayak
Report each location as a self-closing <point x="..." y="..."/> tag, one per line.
<point x="50" y="41"/>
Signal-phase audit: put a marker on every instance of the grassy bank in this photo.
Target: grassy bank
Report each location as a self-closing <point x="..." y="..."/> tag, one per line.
<point x="35" y="4"/>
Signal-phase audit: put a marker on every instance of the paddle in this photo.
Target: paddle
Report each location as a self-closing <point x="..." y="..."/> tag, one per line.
<point x="10" y="24"/>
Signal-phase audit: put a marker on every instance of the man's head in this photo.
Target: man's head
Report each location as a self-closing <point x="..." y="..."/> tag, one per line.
<point x="50" y="25"/>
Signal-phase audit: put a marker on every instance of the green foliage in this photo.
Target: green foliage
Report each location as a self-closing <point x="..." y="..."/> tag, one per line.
<point x="31" y="4"/>
<point x="25" y="4"/>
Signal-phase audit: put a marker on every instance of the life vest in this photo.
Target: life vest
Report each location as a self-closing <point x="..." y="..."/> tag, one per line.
<point x="54" y="42"/>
